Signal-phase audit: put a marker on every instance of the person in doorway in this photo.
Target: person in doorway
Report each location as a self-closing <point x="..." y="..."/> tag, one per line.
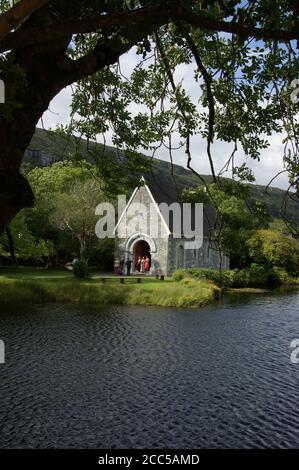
<point x="142" y="264"/>
<point x="128" y="265"/>
<point x="139" y="264"/>
<point x="147" y="264"/>
<point x="116" y="265"/>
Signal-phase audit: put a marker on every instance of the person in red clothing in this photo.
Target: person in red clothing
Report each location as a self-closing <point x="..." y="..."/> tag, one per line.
<point x="147" y="264"/>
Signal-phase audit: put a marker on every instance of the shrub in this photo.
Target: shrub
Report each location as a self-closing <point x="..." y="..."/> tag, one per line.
<point x="242" y="278"/>
<point x="229" y="277"/>
<point x="81" y="268"/>
<point x="179" y="274"/>
<point x="279" y="276"/>
<point x="267" y="247"/>
<point x="254" y="276"/>
<point x="222" y="279"/>
<point x="260" y="276"/>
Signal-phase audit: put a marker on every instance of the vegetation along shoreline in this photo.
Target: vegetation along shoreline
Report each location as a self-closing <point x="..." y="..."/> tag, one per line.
<point x="187" y="288"/>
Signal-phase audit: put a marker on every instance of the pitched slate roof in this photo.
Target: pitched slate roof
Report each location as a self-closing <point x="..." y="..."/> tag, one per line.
<point x="165" y="188"/>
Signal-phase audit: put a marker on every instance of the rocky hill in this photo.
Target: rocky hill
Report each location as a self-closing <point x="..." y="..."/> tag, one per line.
<point x="46" y="148"/>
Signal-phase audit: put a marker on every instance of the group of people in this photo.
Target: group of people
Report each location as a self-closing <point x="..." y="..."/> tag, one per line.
<point x="122" y="266"/>
<point x="143" y="264"/>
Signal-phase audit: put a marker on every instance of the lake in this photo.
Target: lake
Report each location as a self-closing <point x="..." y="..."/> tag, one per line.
<point x="136" y="377"/>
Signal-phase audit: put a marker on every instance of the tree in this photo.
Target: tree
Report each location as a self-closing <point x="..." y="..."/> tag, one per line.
<point x="62" y="221"/>
<point x="270" y="248"/>
<point x="235" y="219"/>
<point x="48" y="184"/>
<point x="278" y="225"/>
<point x="74" y="211"/>
<point x="48" y="45"/>
<point x="26" y="246"/>
<point x="57" y="178"/>
<point x="64" y="193"/>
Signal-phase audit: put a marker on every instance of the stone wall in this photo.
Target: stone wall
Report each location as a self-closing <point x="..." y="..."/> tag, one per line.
<point x="205" y="257"/>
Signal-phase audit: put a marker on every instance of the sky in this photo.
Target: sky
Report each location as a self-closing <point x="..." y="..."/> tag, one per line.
<point x="271" y="162"/>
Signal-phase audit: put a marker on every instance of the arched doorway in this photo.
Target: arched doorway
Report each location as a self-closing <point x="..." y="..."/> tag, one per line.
<point x="141" y="249"/>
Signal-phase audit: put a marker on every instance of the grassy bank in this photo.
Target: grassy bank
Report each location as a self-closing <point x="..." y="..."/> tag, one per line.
<point x="27" y="285"/>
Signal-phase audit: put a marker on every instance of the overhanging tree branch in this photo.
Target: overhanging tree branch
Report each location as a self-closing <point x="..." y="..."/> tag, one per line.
<point x="32" y="36"/>
<point x="101" y="56"/>
<point x="14" y="17"/>
<point x="208" y="80"/>
<point x="238" y="28"/>
<point x="168" y="71"/>
<point x="28" y="36"/>
<point x="105" y="53"/>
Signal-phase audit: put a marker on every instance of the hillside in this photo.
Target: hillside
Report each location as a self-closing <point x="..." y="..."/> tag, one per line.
<point x="46" y="148"/>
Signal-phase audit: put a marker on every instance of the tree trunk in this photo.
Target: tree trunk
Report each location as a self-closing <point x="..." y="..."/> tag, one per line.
<point x="82" y="247"/>
<point x="15" y="192"/>
<point x="28" y="94"/>
<point x="11" y="247"/>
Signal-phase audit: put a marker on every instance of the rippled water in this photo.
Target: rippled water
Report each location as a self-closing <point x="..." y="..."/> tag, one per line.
<point x="151" y="377"/>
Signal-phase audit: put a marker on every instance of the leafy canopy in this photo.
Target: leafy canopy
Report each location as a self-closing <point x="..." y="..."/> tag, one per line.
<point x="240" y="57"/>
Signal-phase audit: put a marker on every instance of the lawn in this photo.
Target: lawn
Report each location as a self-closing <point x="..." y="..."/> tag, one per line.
<point x="41" y="285"/>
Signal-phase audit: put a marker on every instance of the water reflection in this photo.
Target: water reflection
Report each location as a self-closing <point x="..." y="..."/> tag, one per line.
<point x="151" y="377"/>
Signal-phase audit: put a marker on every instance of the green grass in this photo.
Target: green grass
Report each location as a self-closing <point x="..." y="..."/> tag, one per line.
<point x="38" y="285"/>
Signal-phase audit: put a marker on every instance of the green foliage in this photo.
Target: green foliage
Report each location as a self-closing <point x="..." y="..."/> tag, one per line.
<point x="261" y="276"/>
<point x="254" y="275"/>
<point x="220" y="278"/>
<point x="236" y="220"/>
<point x="280" y="277"/>
<point x="101" y="254"/>
<point x="278" y="225"/>
<point x="178" y="275"/>
<point x="274" y="249"/>
<point x="74" y="212"/>
<point x="190" y="293"/>
<point x="27" y="246"/>
<point x="243" y="83"/>
<point x="80" y="268"/>
<point x="249" y="81"/>
<point x="244" y="97"/>
<point x="58" y="178"/>
<point x="63" y="219"/>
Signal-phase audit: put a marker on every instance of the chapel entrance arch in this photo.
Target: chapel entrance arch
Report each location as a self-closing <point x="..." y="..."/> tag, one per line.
<point x="142" y="250"/>
<point x="140" y="245"/>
